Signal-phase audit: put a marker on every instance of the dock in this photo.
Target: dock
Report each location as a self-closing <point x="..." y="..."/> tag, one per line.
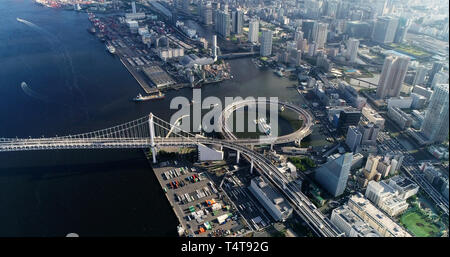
<point x="139" y="79"/>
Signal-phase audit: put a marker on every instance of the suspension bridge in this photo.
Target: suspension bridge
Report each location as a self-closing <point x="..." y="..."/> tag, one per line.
<point x="152" y="132"/>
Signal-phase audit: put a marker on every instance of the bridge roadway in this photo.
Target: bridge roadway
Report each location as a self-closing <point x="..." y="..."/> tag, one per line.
<point x="310" y="214"/>
<point x="299" y="134"/>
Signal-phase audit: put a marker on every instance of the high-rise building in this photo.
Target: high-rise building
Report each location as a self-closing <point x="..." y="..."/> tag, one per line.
<point x="237" y="20"/>
<point x="133" y="7"/>
<point x="266" y="43"/>
<point x="384" y="30"/>
<point x="347" y="118"/>
<point x="392" y="76"/>
<point x="319" y="34"/>
<point x="369" y="131"/>
<point x="439" y="78"/>
<point x="185" y="5"/>
<point x="223" y="24"/>
<point x="352" y="49"/>
<point x="437" y="67"/>
<point x="333" y="175"/>
<point x="435" y="126"/>
<point x="253" y="31"/>
<point x="207" y="14"/>
<point x="419" y="78"/>
<point x="353" y="139"/>
<point x="307" y="28"/>
<point x="214" y="47"/>
<point x="379" y="7"/>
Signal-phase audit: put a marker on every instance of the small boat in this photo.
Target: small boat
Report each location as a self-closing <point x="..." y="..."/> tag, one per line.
<point x="140" y="98"/>
<point x="111" y="48"/>
<point x="92" y="30"/>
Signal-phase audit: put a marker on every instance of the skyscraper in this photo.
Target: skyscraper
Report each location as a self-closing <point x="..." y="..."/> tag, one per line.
<point x="384" y="30"/>
<point x="207" y="14"/>
<point x="419" y="78"/>
<point x="253" y="31"/>
<point x="439" y="78"/>
<point x="435" y="125"/>
<point x="319" y="34"/>
<point x="237" y="20"/>
<point x="392" y="76"/>
<point x="133" y="7"/>
<point x="352" y="49"/>
<point x="379" y="7"/>
<point x="223" y="24"/>
<point x="353" y="139"/>
<point x="437" y="67"/>
<point x="333" y="175"/>
<point x="266" y="43"/>
<point x="214" y="47"/>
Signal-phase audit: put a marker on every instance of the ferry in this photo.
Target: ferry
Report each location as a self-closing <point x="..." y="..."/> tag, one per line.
<point x="140" y="98"/>
<point x="111" y="48"/>
<point x="263" y="126"/>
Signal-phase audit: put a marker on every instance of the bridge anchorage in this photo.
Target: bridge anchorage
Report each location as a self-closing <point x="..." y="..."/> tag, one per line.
<point x="152" y="132"/>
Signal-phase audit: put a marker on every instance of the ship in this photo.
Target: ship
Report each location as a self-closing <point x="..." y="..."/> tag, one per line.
<point x="140" y="98"/>
<point x="111" y="48"/>
<point x="92" y="30"/>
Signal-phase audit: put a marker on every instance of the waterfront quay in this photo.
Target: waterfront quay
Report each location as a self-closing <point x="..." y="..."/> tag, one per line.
<point x="199" y="206"/>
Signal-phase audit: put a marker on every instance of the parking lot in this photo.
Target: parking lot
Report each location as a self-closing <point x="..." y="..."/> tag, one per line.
<point x="200" y="207"/>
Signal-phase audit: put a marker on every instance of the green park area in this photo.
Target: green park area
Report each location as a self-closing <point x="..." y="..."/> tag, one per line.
<point x="410" y="50"/>
<point x="417" y="224"/>
<point x="302" y="163"/>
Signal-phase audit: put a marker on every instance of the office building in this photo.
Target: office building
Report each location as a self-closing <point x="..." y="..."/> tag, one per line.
<point x="439" y="78"/>
<point x="351" y="224"/>
<point x="253" y="31"/>
<point x="384" y="30"/>
<point x="237" y="21"/>
<point x="405" y="186"/>
<point x="435" y="125"/>
<point x="402" y="119"/>
<point x="214" y="47"/>
<point x="386" y="198"/>
<point x="133" y="7"/>
<point x="353" y="139"/>
<point x="347" y="118"/>
<point x="373" y="116"/>
<point x="266" y="43"/>
<point x="223" y="24"/>
<point x="392" y="76"/>
<point x="207" y="14"/>
<point x="333" y="175"/>
<point x="375" y="218"/>
<point x="419" y="78"/>
<point x="437" y="67"/>
<point x="319" y="34"/>
<point x="352" y="49"/>
<point x="423" y="91"/>
<point x="369" y="133"/>
<point x="272" y="201"/>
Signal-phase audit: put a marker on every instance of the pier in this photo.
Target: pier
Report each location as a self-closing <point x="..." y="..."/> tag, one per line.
<point x="138" y="77"/>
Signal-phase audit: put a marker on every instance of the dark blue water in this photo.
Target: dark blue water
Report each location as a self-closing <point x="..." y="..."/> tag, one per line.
<point x="74" y="85"/>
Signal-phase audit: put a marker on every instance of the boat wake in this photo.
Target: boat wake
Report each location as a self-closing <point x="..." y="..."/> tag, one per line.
<point x="59" y="49"/>
<point x="30" y="92"/>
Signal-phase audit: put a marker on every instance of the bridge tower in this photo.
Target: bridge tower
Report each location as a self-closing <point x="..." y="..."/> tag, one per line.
<point x="152" y="136"/>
